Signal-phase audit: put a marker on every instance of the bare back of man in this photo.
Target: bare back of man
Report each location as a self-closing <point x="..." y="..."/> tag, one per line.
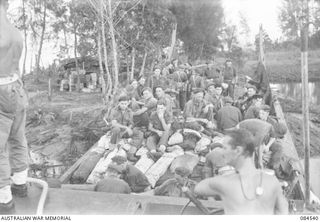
<point x="249" y="190"/>
<point x="11" y="45"/>
<point x="240" y="196"/>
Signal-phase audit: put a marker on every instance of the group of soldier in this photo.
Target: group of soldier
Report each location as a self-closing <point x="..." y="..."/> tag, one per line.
<point x="151" y="111"/>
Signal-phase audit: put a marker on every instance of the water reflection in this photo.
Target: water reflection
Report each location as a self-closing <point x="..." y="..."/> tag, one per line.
<point x="293" y="90"/>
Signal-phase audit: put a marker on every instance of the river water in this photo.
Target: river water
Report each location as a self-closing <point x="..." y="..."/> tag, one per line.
<point x="293" y="90"/>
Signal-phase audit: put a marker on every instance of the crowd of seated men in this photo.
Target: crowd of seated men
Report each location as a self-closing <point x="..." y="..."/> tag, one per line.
<point x="151" y="111"/>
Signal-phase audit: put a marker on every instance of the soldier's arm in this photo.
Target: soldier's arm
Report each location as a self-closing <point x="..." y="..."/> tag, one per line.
<point x="152" y="129"/>
<point x="207" y="187"/>
<point x="140" y="111"/>
<point x="115" y="123"/>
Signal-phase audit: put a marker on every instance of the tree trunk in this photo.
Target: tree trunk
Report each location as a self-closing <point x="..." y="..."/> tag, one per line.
<point x="128" y="68"/>
<point x="49" y="83"/>
<point x="201" y="51"/>
<point x="66" y="41"/>
<point x="143" y="64"/>
<point x="104" y="43"/>
<point x="114" y="47"/>
<point x="25" y="39"/>
<point x="41" y="40"/>
<point x="75" y="55"/>
<point x="173" y="41"/>
<point x="133" y="60"/>
<point x="31" y="61"/>
<point x="103" y="83"/>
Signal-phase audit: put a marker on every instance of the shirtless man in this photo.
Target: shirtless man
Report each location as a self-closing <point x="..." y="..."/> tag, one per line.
<point x="249" y="190"/>
<point x="13" y="102"/>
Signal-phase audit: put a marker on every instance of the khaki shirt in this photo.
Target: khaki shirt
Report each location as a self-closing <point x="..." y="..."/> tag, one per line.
<point x="196" y="110"/>
<point x="156" y="123"/>
<point x="215" y="100"/>
<point x="122" y="117"/>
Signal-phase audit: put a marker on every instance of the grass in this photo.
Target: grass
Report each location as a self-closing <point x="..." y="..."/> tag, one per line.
<point x="285" y="66"/>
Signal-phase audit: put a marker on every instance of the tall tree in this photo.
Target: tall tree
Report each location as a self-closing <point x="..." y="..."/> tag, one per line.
<point x="199" y="24"/>
<point x="230" y="35"/>
<point x="25" y="37"/>
<point x="244" y="27"/>
<point x="43" y="27"/>
<point x="289" y="18"/>
<point x="290" y="14"/>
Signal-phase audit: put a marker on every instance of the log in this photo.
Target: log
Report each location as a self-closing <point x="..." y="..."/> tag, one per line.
<point x="67" y="175"/>
<point x="102" y="165"/>
<point x="143" y="64"/>
<point x="82" y="173"/>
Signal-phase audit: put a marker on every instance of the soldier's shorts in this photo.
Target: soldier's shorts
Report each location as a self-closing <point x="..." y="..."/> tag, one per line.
<point x="13" y="143"/>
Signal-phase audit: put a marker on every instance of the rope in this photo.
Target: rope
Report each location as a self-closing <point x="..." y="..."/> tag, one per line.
<point x="43" y="194"/>
<point x="242" y="188"/>
<point x="185" y="207"/>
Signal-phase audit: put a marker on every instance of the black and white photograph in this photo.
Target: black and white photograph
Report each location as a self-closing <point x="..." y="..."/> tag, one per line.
<point x="159" y="107"/>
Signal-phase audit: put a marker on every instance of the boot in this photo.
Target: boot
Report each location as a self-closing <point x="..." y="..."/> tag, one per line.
<point x="131" y="157"/>
<point x="19" y="190"/>
<point x="19" y="183"/>
<point x="7" y="208"/>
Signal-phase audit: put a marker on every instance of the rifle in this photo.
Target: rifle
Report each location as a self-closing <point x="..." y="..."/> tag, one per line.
<point x="198" y="204"/>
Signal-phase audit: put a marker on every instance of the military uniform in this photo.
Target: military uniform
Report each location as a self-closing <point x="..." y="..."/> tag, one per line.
<point x="124" y="118"/>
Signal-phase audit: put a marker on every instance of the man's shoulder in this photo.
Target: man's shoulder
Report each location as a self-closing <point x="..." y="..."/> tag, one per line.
<point x="114" y="110"/>
<point x="152" y="100"/>
<point x="227" y="109"/>
<point x="235" y="108"/>
<point x="270" y="181"/>
<point x="255" y="122"/>
<point x="168" y="182"/>
<point x="222" y="181"/>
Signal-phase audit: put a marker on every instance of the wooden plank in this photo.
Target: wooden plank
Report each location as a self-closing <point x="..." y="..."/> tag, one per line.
<point x="67" y="175"/>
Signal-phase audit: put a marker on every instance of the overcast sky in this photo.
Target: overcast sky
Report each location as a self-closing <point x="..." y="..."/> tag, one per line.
<point x="257" y="12"/>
